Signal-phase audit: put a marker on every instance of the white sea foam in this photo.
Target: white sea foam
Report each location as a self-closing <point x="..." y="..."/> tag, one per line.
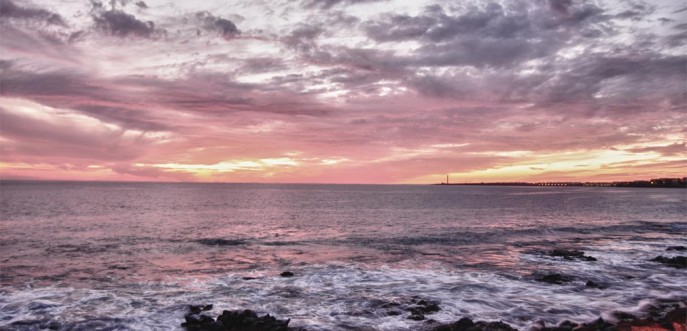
<point x="330" y="297"/>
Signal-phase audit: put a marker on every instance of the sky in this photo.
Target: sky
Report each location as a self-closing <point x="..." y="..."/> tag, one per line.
<point x="343" y="91"/>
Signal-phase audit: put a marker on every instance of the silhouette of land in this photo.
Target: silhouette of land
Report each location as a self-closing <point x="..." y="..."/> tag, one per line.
<point x="656" y="182"/>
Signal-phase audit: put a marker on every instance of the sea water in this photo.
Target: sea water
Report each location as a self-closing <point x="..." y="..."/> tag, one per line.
<point x="133" y="256"/>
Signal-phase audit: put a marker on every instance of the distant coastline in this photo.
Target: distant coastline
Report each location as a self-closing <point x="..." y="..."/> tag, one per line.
<point x="655" y="182"/>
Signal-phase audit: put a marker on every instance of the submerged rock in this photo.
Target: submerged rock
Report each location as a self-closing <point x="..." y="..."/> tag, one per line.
<point x="287" y="274"/>
<point x="570" y="254"/>
<point x="466" y="324"/>
<point x="679" y="262"/>
<point x="421" y="307"/>
<point x="676" y="248"/>
<point x="417" y="307"/>
<point x="593" y="284"/>
<point x="556" y="279"/>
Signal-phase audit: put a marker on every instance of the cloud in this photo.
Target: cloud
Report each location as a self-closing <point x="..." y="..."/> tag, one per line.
<point x="561" y="6"/>
<point x="10" y="10"/>
<point x="381" y="86"/>
<point x="121" y="24"/>
<point x="226" y="28"/>
<point x="328" y="4"/>
<point x="35" y="130"/>
<point x="672" y="149"/>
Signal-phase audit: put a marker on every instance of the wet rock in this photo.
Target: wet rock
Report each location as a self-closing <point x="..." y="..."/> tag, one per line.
<point x="248" y="320"/>
<point x="198" y="309"/>
<point x="287" y="274"/>
<point x="621" y="315"/>
<point x="598" y="325"/>
<point x="556" y="279"/>
<point x="676" y="248"/>
<point x="593" y="284"/>
<point x="571" y="254"/>
<point x="201" y="323"/>
<point x="422" y="307"/>
<point x="676" y="318"/>
<point x="416" y="317"/>
<point x="679" y="262"/>
<point x="494" y="326"/>
<point x="394" y="312"/>
<point x="417" y="307"/>
<point x="568" y="324"/>
<point x="563" y="326"/>
<point x="466" y="324"/>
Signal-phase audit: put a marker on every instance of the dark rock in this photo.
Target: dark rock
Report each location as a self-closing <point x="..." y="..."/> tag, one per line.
<point x="416" y="317"/>
<point x="598" y="325"/>
<point x="679" y="262"/>
<point x="676" y="248"/>
<point x="422" y="307"/>
<point x="568" y="324"/>
<point x="464" y="324"/>
<point x="555" y="279"/>
<point x="388" y="305"/>
<point x="493" y="326"/>
<point x="571" y="254"/>
<point x="676" y="316"/>
<point x="201" y="323"/>
<point x="248" y="278"/>
<point x="621" y="315"/>
<point x="287" y="274"/>
<point x="417" y="307"/>
<point x="593" y="284"/>
<point x="198" y="309"/>
<point x="248" y="320"/>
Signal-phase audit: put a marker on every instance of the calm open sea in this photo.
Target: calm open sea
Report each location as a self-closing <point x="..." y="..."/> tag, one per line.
<point x="120" y="256"/>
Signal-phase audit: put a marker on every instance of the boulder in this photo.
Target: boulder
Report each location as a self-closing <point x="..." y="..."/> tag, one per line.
<point x="248" y="320"/>
<point x="679" y="262"/>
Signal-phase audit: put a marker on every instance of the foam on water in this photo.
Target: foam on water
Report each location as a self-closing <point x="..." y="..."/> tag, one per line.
<point x="335" y="297"/>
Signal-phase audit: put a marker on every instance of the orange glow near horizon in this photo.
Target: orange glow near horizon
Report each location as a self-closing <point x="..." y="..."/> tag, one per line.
<point x="575" y="93"/>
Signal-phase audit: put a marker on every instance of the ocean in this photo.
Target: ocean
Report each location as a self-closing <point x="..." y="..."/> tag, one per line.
<point x="133" y="256"/>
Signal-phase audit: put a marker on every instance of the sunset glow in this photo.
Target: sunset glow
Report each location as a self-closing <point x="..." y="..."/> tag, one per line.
<point x="343" y="91"/>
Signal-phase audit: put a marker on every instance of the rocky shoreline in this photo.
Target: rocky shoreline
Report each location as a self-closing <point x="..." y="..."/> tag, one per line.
<point x="664" y="316"/>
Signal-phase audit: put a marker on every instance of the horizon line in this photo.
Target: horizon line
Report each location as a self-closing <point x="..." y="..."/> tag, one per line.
<point x="313" y="183"/>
